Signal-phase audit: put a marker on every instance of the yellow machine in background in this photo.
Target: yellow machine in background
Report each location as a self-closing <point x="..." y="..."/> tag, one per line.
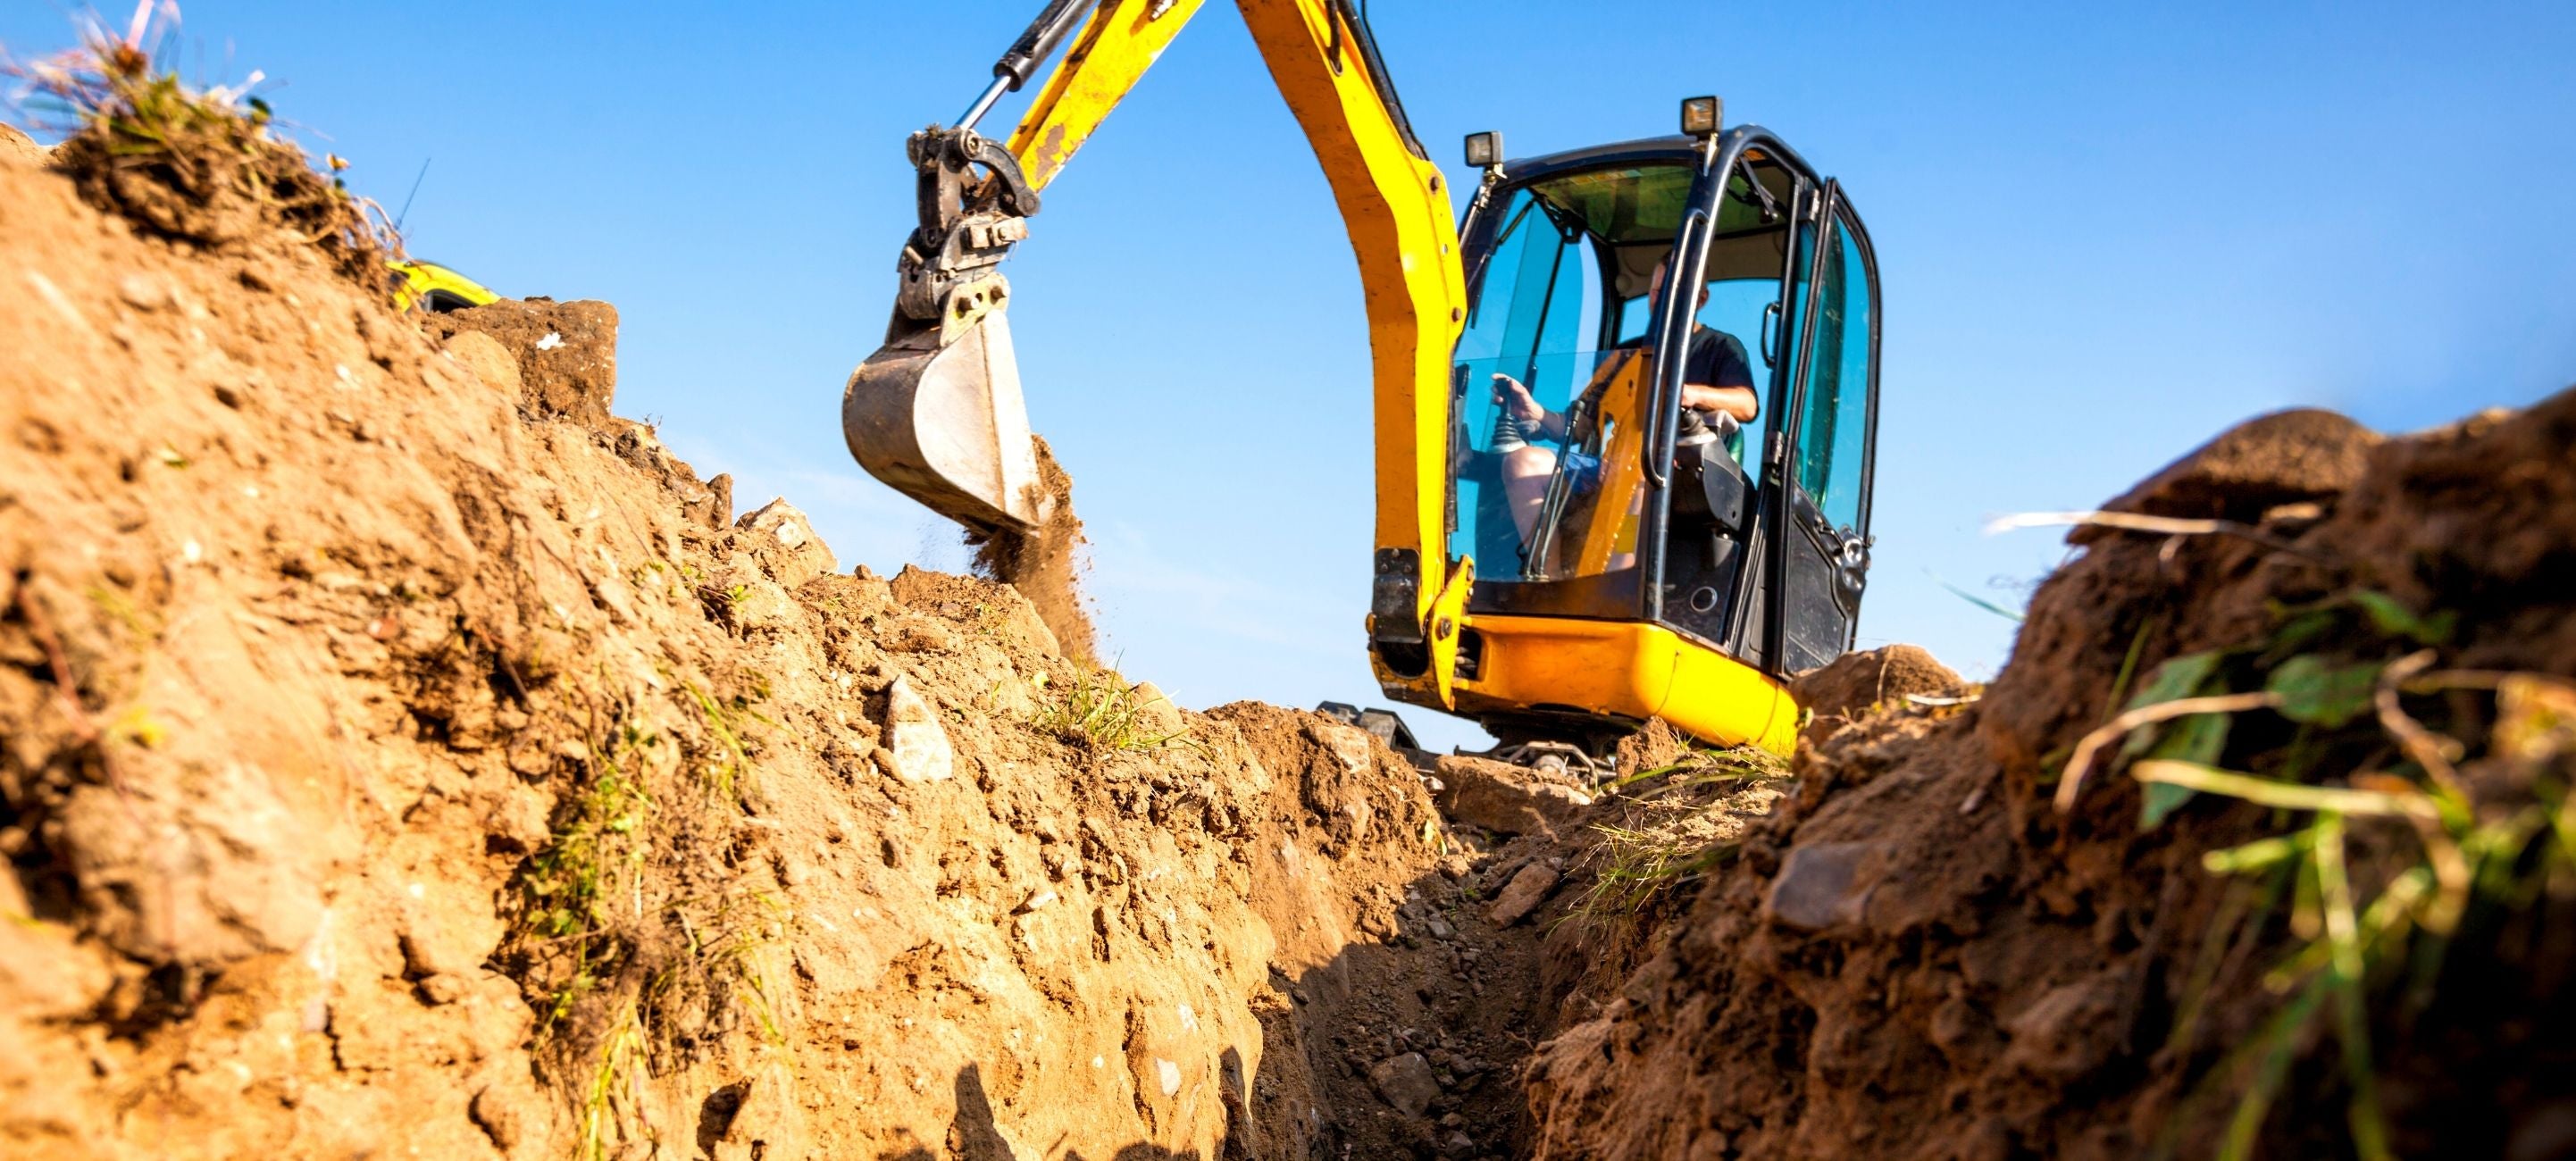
<point x="1665" y="572"/>
<point x="436" y="288"/>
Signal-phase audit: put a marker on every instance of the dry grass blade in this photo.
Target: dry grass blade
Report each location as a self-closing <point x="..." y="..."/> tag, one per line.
<point x="2139" y="522"/>
<point x="2071" y="781"/>
<point x="2431" y="751"/>
<point x="2441" y="851"/>
<point x="2284" y="795"/>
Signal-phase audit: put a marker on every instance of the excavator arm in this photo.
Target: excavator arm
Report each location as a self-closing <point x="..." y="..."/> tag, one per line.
<point x="937" y="412"/>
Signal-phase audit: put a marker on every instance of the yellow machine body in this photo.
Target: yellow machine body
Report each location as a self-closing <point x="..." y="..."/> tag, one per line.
<point x="1625" y="670"/>
<point x="434" y="287"/>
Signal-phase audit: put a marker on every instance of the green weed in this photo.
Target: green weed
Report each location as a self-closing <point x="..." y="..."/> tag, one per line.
<point x="620" y="1054"/>
<point x="1634" y="865"/>
<point x="1099" y="710"/>
<point x="725" y="719"/>
<point x="2355" y="755"/>
<point x="593" y="859"/>
<point x="1677" y="828"/>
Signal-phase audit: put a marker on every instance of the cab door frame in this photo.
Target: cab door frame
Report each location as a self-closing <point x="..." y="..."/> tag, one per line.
<point x="1756" y="633"/>
<point x="1793" y="520"/>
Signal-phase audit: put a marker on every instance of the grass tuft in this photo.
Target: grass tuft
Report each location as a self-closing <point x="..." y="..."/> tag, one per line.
<point x="1679" y="823"/>
<point x="196" y="163"/>
<point x="1098" y="709"/>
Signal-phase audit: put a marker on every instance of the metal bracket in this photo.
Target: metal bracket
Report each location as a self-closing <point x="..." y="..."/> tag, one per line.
<point x="968" y="222"/>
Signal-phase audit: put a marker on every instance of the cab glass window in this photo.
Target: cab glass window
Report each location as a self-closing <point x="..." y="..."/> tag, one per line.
<point x="1833" y="432"/>
<point x="1537" y="322"/>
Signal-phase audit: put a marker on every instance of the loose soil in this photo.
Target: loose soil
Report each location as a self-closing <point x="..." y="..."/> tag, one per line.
<point x="1045" y="565"/>
<point x="398" y="760"/>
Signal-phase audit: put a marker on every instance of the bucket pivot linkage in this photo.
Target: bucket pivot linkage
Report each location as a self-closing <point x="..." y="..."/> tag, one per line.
<point x="936" y="413"/>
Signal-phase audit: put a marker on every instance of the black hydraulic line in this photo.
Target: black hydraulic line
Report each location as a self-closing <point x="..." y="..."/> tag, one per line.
<point x="1040" y="40"/>
<point x="1021" y="61"/>
<point x="1357" y="18"/>
<point x="1546" y="302"/>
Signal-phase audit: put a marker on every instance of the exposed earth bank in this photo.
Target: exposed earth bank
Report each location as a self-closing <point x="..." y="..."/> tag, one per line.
<point x="405" y="754"/>
<point x="1938" y="949"/>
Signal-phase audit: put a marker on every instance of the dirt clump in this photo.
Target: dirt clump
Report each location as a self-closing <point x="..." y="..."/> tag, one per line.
<point x="1044" y="565"/>
<point x="2286" y="457"/>
<point x="1857" y="683"/>
<point x="198" y="166"/>
<point x="1920" y="955"/>
<point x="1505" y="798"/>
<point x="565" y="352"/>
<point x="16" y="146"/>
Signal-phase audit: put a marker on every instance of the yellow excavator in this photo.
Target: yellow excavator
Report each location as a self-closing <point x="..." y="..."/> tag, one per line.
<point x="1568" y="542"/>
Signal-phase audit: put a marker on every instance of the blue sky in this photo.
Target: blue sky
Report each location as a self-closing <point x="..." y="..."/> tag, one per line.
<point x="2105" y="233"/>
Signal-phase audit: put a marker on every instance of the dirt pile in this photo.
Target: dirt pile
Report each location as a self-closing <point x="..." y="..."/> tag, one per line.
<point x="2311" y="895"/>
<point x="394" y="764"/>
<point x="1859" y="683"/>
<point x="1044" y="565"/>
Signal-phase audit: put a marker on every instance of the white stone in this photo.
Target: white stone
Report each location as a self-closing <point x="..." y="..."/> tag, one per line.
<point x="917" y="745"/>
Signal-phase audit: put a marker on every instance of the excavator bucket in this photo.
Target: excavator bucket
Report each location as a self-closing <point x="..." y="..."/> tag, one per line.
<point x="943" y="423"/>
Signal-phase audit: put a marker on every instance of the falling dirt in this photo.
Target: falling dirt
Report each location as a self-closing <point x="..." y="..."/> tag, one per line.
<point x="1044" y="565"/>
<point x="406" y="754"/>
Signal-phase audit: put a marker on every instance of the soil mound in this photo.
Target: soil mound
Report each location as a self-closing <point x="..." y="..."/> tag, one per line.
<point x="403" y="751"/>
<point x="1044" y="565"/>
<point x="1857" y="683"/>
<point x="2243" y="938"/>
<point x="395" y="762"/>
<point x="198" y="166"/>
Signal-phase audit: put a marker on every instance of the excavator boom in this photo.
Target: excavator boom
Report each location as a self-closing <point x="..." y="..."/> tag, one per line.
<point x="937" y="412"/>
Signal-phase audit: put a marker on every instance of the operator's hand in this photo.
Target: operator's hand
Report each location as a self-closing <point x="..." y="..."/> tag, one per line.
<point x="1516" y="400"/>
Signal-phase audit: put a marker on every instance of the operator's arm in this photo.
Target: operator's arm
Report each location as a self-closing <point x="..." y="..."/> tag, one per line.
<point x="1739" y="402"/>
<point x="1718" y="378"/>
<point x="1534" y="417"/>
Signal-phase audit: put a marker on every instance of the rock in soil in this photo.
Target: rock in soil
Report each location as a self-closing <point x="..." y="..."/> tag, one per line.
<point x="1405" y="1082"/>
<point x="1504" y="798"/>
<point x="566" y="351"/>
<point x="1527" y="889"/>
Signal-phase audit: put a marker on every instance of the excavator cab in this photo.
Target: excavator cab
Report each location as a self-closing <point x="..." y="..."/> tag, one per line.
<point x="1639" y="558"/>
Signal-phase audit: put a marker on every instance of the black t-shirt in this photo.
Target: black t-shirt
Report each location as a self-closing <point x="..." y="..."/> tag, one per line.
<point x="1717" y="360"/>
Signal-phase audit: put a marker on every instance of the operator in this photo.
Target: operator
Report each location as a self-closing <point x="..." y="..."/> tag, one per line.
<point x="1717" y="400"/>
